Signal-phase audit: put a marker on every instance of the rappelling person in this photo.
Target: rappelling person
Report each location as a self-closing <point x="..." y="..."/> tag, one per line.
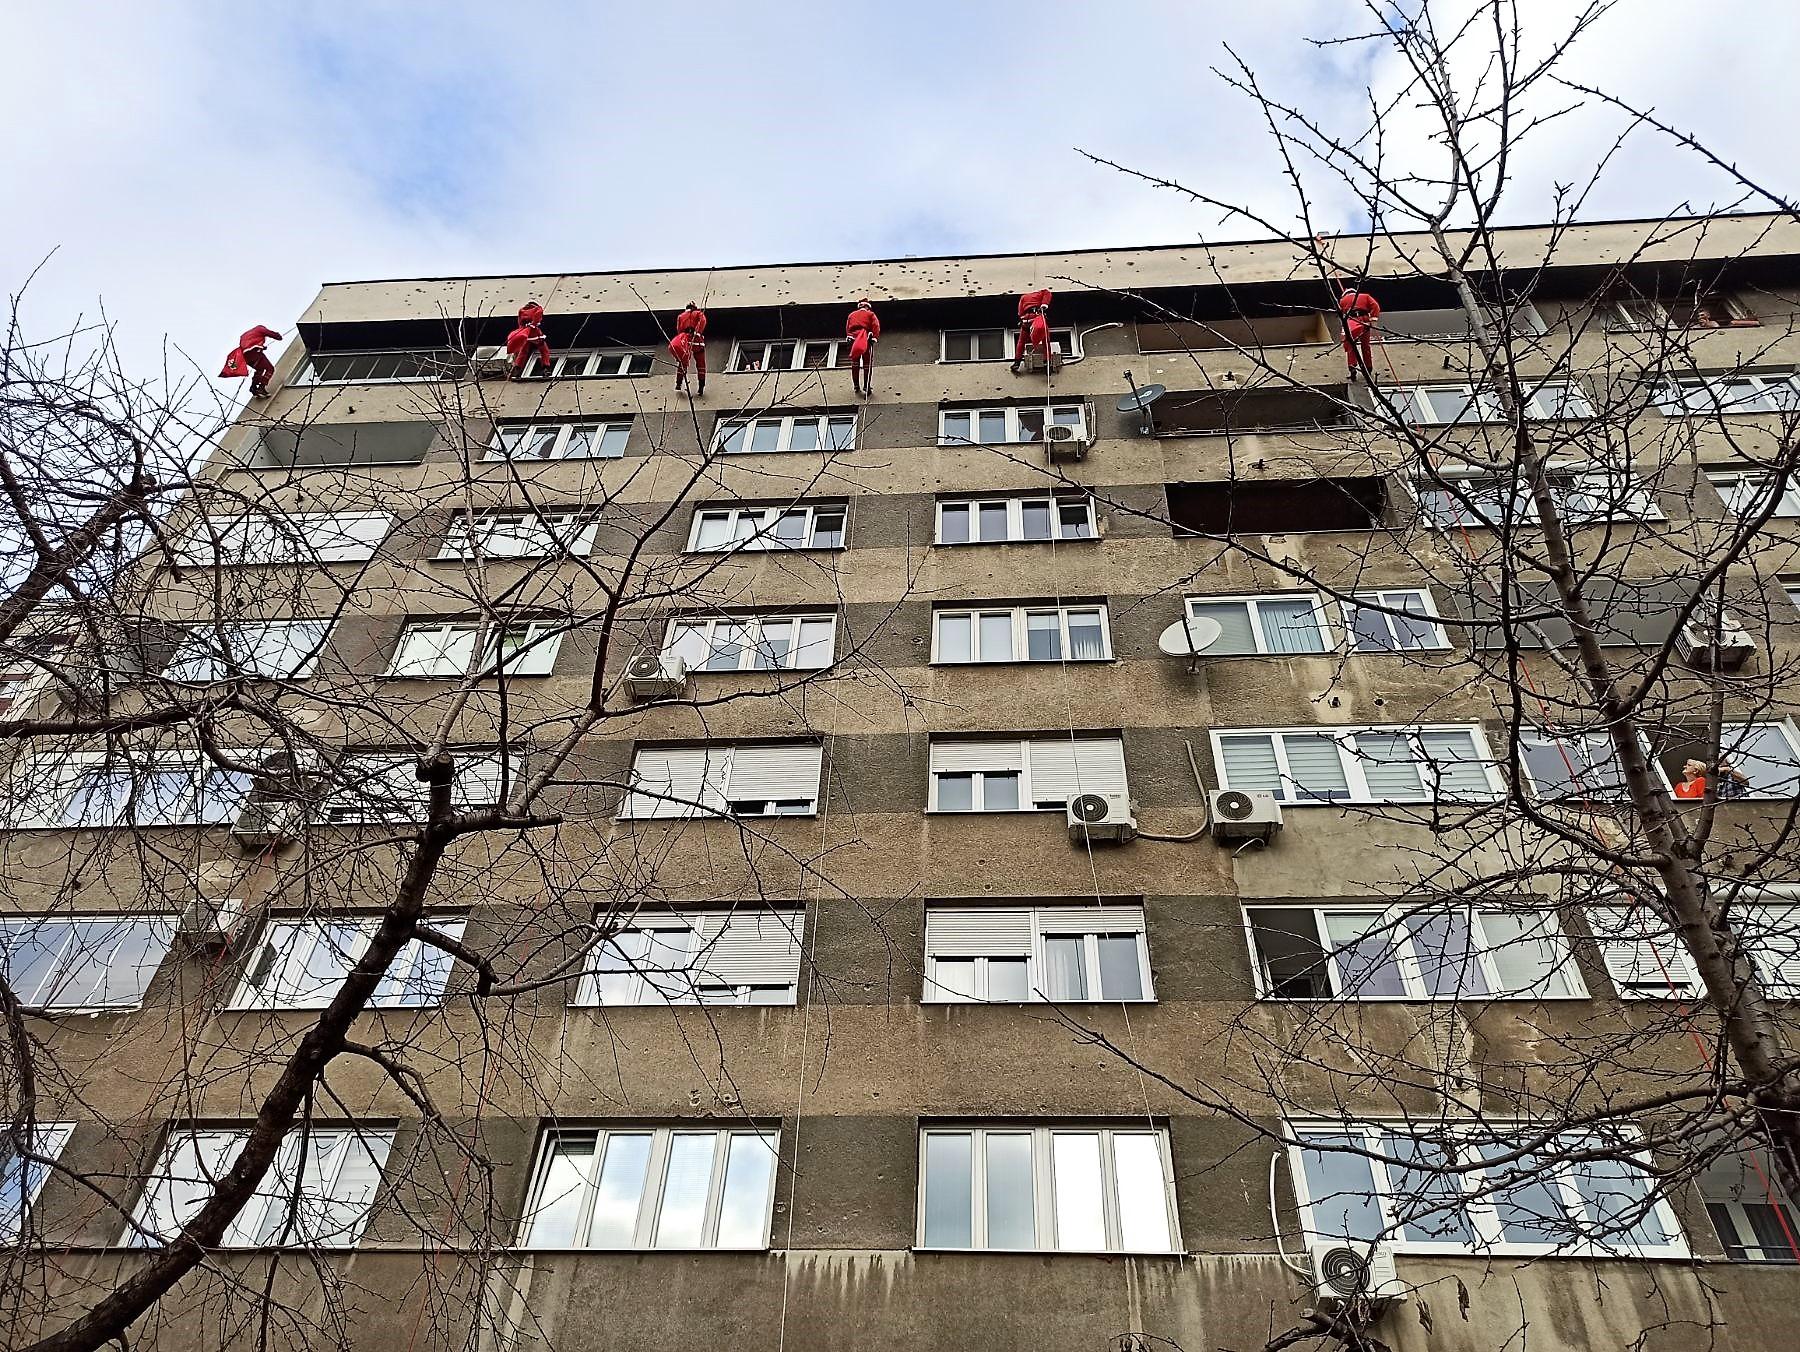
<point x="1360" y="311"/>
<point x="862" y="328"/>
<point x="249" y="359"/>
<point x="689" y="344"/>
<point x="527" y="339"/>
<point x="1034" y="328"/>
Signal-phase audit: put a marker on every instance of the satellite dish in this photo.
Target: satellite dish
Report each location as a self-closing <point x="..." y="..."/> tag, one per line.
<point x="1189" y="637"/>
<point x="1140" y="398"/>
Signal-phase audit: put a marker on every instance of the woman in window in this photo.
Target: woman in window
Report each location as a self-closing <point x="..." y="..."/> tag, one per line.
<point x="1732" y="782"/>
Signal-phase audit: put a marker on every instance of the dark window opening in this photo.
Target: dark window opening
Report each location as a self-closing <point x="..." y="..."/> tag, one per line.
<point x="1180" y="335"/>
<point x="1285" y="940"/>
<point x="1277" y="506"/>
<point x="1190" y="413"/>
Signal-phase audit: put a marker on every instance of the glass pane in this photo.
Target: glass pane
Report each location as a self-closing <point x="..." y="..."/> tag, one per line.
<point x="728" y="643"/>
<point x="959" y="346"/>
<point x="956" y="793"/>
<point x="613" y="440"/>
<point x="560" y="1196"/>
<point x="1238" y="635"/>
<point x="955" y="637"/>
<point x="715" y="530"/>
<point x="1428" y="1203"/>
<point x="1073" y="517"/>
<point x="990" y="427"/>
<point x="953" y="524"/>
<point x="1043" y="636"/>
<point x="992" y="521"/>
<point x="1529" y="956"/>
<point x="1031" y="424"/>
<point x="1036" y="519"/>
<point x="1618" y="1198"/>
<point x="1143" y="1201"/>
<point x="681" y="1219"/>
<point x="1287" y="949"/>
<point x="791" y="527"/>
<point x="1390" y="767"/>
<point x="735" y="437"/>
<point x="1120" y="976"/>
<point x="1011" y="1210"/>
<point x="31" y="952"/>
<point x="1340" y="1188"/>
<point x="1531" y="1208"/>
<point x="1065" y="968"/>
<point x="840" y="434"/>
<point x="1080" y="1210"/>
<point x="1365" y="951"/>
<point x="949" y="1191"/>
<point x="1008" y="979"/>
<point x="1291" y="626"/>
<point x="744" y="1206"/>
<point x="817" y="639"/>
<point x="955" y="428"/>
<point x="1369" y="630"/>
<point x="996" y="641"/>
<point x="1000" y="791"/>
<point x="1445" y="950"/>
<point x="952" y="979"/>
<point x="828" y="530"/>
<point x="621" y="1192"/>
<point x="1314" y="766"/>
<point x="581" y="442"/>
<point x="1086" y="636"/>
<point x="765" y="434"/>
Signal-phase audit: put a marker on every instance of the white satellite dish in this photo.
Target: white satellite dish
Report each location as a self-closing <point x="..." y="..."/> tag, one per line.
<point x="1189" y="637"/>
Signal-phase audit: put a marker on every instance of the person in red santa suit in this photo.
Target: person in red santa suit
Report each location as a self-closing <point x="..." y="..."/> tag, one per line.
<point x="689" y="345"/>
<point x="862" y="328"/>
<point x="248" y="358"/>
<point x="1034" y="328"/>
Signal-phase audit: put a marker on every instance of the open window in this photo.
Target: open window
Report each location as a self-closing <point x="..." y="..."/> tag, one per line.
<point x="1277" y="506"/>
<point x="1760" y="760"/>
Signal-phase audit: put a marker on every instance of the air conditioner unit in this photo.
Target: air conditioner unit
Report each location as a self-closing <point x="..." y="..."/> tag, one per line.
<point x="211" y="923"/>
<point x="264" y="823"/>
<point x="1345" y="1271"/>
<point x="1064" y="442"/>
<point x="1244" y="814"/>
<point x="656" y="676"/>
<point x="489" y="363"/>
<point x="1100" y="816"/>
<point x="1697" y="648"/>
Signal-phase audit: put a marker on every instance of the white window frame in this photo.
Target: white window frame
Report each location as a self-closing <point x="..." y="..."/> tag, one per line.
<point x="1253" y="604"/>
<point x="534" y="645"/>
<point x="594" y="359"/>
<point x="1728" y="1205"/>
<point x="291" y="945"/>
<point x="758" y="528"/>
<point x="270" y="1203"/>
<point x="1345" y="740"/>
<point x="1063" y="339"/>
<point x="744" y="429"/>
<point x="648" y="1217"/>
<point x="512" y="438"/>
<point x="712" y="795"/>
<point x="694" y="939"/>
<point x="1388" y="597"/>
<point x="1708" y="395"/>
<point x="361" y="776"/>
<point x="1012" y="758"/>
<point x="1732" y="735"/>
<point x="1744" y="491"/>
<point x="1482" y="1213"/>
<point x="1043" y="1179"/>
<point x="525" y="535"/>
<point x="1035" y="925"/>
<point x="1485" y="405"/>
<point x="1633" y="938"/>
<point x="1406" y="957"/>
<point x="1578" y="749"/>
<point x="1056" y="414"/>
<point x="1790" y="588"/>
<point x="1019" y="617"/>
<point x="21" y="1181"/>
<point x="208" y="794"/>
<point x="754" y="631"/>
<point x="1015" y="518"/>
<point x="199" y="657"/>
<point x="1637" y="503"/>
<point x="741" y="347"/>
<point x="76" y="950"/>
<point x="258" y="539"/>
<point x="307" y="373"/>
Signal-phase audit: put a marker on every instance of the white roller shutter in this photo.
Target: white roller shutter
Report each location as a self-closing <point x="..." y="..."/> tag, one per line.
<point x="968" y="756"/>
<point x="977" y="932"/>
<point x="775" y="772"/>
<point x="1773" y="938"/>
<point x="349" y="538"/>
<point x="672" y="779"/>
<point x="1090" y="920"/>
<point x="748" y="947"/>
<point x="1062" y="767"/>
<point x="1644" y="964"/>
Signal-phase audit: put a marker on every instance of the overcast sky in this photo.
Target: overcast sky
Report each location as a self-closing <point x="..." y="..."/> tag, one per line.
<point x="198" y="169"/>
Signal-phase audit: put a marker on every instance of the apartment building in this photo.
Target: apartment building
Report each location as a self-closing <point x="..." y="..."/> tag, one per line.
<point x="884" y="969"/>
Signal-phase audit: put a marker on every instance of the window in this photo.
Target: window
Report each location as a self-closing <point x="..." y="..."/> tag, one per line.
<point x="1035" y="774"/>
<point x="1001" y="954"/>
<point x="1755" y="1220"/>
<point x="316" y="1194"/>
<point x="987" y="521"/>
<point x="32" y="663"/>
<point x="527" y="648"/>
<point x="1235" y="410"/>
<point x="1747" y="493"/>
<point x="520" y="535"/>
<point x="1402" y="953"/>
<point x="88" y="962"/>
<point x="1070" y="1189"/>
<point x="1790" y="586"/>
<point x="1004" y="425"/>
<point x="338" y="368"/>
<point x="1406" y="621"/>
<point x="1276" y="506"/>
<point x="753" y="642"/>
<point x="132" y="787"/>
<point x="653" y="1188"/>
<point x="741" y="957"/>
<point x="269" y="650"/>
<point x="1778" y="392"/>
<point x="797" y="527"/>
<point x="1359" y="765"/>
<point x="1764" y="756"/>
<point x="1582" y="497"/>
<point x="1692" y="309"/>
<point x="818" y="354"/>
<point x="796" y="432"/>
<point x="560" y="440"/>
<point x="1409" y="1196"/>
<point x="20" y="1179"/>
<point x="1443" y="405"/>
<point x="1021" y="634"/>
<point x="299" y="964"/>
<point x="587" y="362"/>
<point x="1263" y="624"/>
<point x="298" y="537"/>
<point x="1572" y="766"/>
<point x="725" y="779"/>
<point x="995" y="344"/>
<point x="1647" y="960"/>
<point x="384" y="787"/>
